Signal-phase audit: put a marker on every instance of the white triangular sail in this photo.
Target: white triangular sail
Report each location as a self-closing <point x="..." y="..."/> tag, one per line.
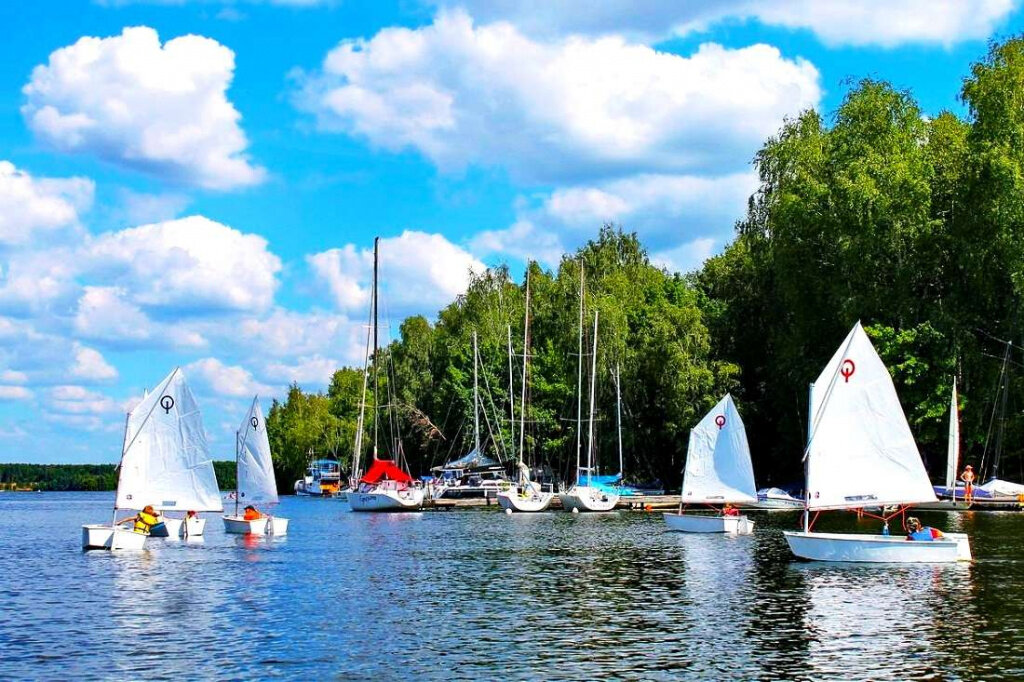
<point x="166" y="460"/>
<point x="718" y="468"/>
<point x="953" y="451"/>
<point x="861" y="452"/>
<point x="256" y="482"/>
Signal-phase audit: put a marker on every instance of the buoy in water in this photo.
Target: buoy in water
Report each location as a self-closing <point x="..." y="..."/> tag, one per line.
<point x="508" y="511"/>
<point x="575" y="510"/>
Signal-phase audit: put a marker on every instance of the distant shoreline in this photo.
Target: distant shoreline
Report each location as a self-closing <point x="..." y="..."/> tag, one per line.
<point x="24" y="477"/>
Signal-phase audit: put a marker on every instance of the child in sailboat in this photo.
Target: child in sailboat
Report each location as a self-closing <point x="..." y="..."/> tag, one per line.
<point x="729" y="510"/>
<point x="915" y="531"/>
<point x="145" y="521"/>
<point x="251" y="513"/>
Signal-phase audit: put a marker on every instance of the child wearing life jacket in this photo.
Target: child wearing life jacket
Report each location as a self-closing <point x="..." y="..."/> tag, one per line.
<point x="145" y="521"/>
<point x="251" y="513"/>
<point x="919" y="533"/>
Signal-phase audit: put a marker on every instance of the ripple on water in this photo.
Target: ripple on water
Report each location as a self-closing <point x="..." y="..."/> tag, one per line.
<point x="478" y="594"/>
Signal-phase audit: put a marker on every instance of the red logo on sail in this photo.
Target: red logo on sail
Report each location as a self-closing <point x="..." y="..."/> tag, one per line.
<point x="847" y="369"/>
<point x="720" y="420"/>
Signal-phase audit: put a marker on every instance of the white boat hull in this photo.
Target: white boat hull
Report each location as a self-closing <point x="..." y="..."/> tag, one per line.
<point x="843" y="547"/>
<point x="194" y="527"/>
<point x="100" y="536"/>
<point x="587" y="499"/>
<point x="409" y="499"/>
<point x="533" y="502"/>
<point x="238" y="525"/>
<point x="277" y="526"/>
<point x="705" y="523"/>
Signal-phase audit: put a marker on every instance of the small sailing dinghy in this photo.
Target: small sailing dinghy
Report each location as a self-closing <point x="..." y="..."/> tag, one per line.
<point x="718" y="472"/>
<point x="948" y="494"/>
<point x="165" y="463"/>
<point x="861" y="453"/>
<point x="255" y="476"/>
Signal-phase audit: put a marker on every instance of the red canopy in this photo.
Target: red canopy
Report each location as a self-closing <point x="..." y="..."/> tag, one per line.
<point x="385" y="470"/>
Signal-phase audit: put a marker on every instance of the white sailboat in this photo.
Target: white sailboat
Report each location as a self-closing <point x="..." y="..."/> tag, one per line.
<point x="718" y="471"/>
<point x="861" y="453"/>
<point x="952" y="462"/>
<point x="585" y="495"/>
<point x="386" y="486"/>
<point x="524" y="495"/>
<point x="165" y="463"/>
<point x="255" y="475"/>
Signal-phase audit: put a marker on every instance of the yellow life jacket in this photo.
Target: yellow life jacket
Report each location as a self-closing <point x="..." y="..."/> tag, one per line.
<point x="144" y="521"/>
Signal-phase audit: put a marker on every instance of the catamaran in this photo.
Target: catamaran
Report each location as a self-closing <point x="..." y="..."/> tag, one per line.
<point x="525" y="495"/>
<point x="165" y="463"/>
<point x="255" y="475"/>
<point x="718" y="471"/>
<point x="860" y="453"/>
<point x="386" y="486"/>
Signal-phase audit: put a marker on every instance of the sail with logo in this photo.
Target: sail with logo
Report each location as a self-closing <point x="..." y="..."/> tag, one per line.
<point x="255" y="475"/>
<point x="165" y="464"/>
<point x="718" y="474"/>
<point x="861" y="453"/>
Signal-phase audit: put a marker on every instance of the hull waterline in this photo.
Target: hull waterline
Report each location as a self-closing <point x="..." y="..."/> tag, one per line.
<point x="532" y="503"/>
<point x="858" y="548"/>
<point x="586" y="499"/>
<point x="706" y="523"/>
<point x="410" y="499"/>
<point x="238" y="525"/>
<point x="101" y="536"/>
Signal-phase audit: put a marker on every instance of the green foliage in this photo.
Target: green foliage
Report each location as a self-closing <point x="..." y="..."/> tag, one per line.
<point x="66" y="477"/>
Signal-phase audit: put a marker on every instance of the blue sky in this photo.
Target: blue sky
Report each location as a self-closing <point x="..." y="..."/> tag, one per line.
<point x="198" y="183"/>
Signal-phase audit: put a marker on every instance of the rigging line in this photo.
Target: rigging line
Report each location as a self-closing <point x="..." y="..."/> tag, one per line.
<point x="498" y="445"/>
<point x="991" y="422"/>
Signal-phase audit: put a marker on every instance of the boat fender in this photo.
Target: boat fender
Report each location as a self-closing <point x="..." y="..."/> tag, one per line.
<point x="575" y="510"/>
<point x="509" y="512"/>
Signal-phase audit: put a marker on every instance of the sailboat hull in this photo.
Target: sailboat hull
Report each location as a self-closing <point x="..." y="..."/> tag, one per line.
<point x="100" y="536"/>
<point x="388" y="500"/>
<point x="167" y="528"/>
<point x="517" y="502"/>
<point x="703" y="523"/>
<point x="842" y="547"/>
<point x="238" y="525"/>
<point x="277" y="526"/>
<point x="587" y="499"/>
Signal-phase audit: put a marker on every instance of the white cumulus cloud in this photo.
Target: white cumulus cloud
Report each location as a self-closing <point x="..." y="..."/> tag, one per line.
<point x="839" y="22"/>
<point x="90" y="365"/>
<point x="132" y="101"/>
<point x="15" y="393"/>
<point x="557" y="109"/>
<point x="419" y="273"/>
<point x="31" y="206"/>
<point x="226" y="380"/>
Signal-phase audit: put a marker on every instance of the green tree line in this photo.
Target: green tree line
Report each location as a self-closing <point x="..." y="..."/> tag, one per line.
<point x="874" y="212"/>
<point x="66" y="477"/>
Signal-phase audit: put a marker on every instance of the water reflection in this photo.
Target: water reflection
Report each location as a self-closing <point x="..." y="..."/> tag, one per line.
<point x="484" y="595"/>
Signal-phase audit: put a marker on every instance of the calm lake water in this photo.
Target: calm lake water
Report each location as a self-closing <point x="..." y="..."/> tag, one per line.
<point x="476" y="594"/>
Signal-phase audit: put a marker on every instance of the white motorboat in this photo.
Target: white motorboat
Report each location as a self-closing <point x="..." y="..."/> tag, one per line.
<point x="322" y="478"/>
<point x="165" y="464"/>
<point x="777" y="499"/>
<point x="718" y="472"/>
<point x="861" y="453"/>
<point x="255" y="475"/>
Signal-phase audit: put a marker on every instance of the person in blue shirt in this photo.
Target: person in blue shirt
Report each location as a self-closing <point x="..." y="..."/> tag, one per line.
<point x="920" y="533"/>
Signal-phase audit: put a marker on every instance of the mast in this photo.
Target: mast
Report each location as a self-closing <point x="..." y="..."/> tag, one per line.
<point x="357" y="446"/>
<point x="810" y="432"/>
<point x="579" y="383"/>
<point x="526" y="365"/>
<point x="476" y="400"/>
<point x="1002" y="416"/>
<point x="238" y="447"/>
<point x="593" y="388"/>
<point x="618" y="416"/>
<point x="376" y="373"/>
<point x="511" y="394"/>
